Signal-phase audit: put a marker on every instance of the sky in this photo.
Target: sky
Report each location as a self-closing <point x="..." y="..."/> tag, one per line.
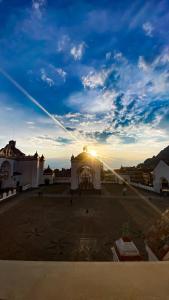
<point x="99" y="68"/>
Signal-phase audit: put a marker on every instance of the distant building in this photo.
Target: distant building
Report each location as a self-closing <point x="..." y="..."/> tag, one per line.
<point x="18" y="169"/>
<point x="85" y="171"/>
<point x="62" y="176"/>
<point x="157" y="239"/>
<point x="161" y="177"/>
<point x="136" y="175"/>
<point x="48" y="176"/>
<point x="124" y="249"/>
<point x="123" y="176"/>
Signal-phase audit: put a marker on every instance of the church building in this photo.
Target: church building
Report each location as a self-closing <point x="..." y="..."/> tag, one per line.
<point x="85" y="172"/>
<point x="161" y="177"/>
<point x="18" y="169"/>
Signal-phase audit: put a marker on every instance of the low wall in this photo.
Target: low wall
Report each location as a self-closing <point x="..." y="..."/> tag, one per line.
<point x="26" y="187"/>
<point x="61" y="180"/>
<point x="7" y="195"/>
<point x="142" y="186"/>
<point x="108" y="181"/>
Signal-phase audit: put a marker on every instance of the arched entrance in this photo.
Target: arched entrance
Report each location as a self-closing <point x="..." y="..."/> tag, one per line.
<point x="5" y="174"/>
<point x="85" y="178"/>
<point x="47" y="181"/>
<point x="164" y="186"/>
<point x="164" y="183"/>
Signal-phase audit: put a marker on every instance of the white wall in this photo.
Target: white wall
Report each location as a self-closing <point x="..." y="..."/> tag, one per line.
<point x="115" y="257"/>
<point x="9" y="182"/>
<point x="30" y="172"/>
<point x="26" y="187"/>
<point x="145" y="187"/>
<point x="41" y="169"/>
<point x="8" y="195"/>
<point x="48" y="177"/>
<point x="151" y="255"/>
<point x="161" y="171"/>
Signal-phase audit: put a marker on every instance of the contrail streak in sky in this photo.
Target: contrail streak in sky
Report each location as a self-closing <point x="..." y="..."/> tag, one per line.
<point x="33" y="100"/>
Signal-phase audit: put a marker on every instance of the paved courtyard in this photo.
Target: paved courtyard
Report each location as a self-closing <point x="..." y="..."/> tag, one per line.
<point x="45" y="226"/>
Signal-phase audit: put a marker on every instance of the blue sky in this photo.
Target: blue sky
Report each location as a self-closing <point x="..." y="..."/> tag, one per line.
<point x="100" y="67"/>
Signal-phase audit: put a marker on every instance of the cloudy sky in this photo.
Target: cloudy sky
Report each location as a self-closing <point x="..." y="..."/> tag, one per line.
<point x="100" y="68"/>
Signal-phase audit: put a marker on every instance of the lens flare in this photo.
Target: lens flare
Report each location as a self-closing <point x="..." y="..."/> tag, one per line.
<point x="93" y="153"/>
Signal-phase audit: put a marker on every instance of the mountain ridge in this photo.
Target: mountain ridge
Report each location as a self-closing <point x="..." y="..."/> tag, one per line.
<point x="152" y="162"/>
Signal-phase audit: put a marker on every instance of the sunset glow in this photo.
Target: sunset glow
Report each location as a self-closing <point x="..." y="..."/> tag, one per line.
<point x="93" y="153"/>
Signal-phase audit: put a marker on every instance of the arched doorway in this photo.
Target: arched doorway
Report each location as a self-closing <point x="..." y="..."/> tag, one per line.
<point x="86" y="178"/>
<point x="164" y="186"/>
<point x="5" y="174"/>
<point x="47" y="181"/>
<point x="164" y="183"/>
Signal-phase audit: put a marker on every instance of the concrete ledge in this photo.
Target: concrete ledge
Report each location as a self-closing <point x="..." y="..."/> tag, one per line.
<point x="83" y="280"/>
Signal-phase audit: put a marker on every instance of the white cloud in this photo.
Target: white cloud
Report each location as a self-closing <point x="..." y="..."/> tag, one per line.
<point x="131" y="99"/>
<point x="37" y="6"/>
<point x="108" y="55"/>
<point x="61" y="73"/>
<point x="142" y="64"/>
<point x="8" y="108"/>
<point x="148" y="29"/>
<point x="63" y="43"/>
<point x="95" y="79"/>
<point x="78" y="51"/>
<point x="92" y="101"/>
<point x="46" y="78"/>
<point x="30" y="122"/>
<point x="162" y="59"/>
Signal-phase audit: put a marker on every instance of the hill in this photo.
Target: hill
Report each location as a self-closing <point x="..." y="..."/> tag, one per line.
<point x="151" y="163"/>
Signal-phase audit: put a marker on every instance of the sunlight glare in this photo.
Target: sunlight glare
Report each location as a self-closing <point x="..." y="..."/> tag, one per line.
<point x="93" y="153"/>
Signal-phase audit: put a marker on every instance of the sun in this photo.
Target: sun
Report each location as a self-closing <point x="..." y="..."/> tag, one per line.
<point x="93" y="153"/>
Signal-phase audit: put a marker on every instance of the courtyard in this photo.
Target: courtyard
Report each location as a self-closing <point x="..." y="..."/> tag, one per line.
<point x="43" y="224"/>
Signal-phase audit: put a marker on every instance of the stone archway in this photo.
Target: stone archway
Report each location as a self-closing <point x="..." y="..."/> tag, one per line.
<point x="85" y="176"/>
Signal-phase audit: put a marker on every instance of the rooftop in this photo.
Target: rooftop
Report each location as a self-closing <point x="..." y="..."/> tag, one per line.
<point x="85" y="156"/>
<point x="10" y="150"/>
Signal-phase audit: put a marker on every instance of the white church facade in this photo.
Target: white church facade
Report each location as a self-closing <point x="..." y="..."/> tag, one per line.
<point x="85" y="172"/>
<point x="18" y="169"/>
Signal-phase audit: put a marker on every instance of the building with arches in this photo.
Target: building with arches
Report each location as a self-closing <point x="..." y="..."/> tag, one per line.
<point x="18" y="169"/>
<point x="85" y="172"/>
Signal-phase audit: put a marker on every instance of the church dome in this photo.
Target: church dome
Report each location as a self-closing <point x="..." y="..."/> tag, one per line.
<point x="48" y="171"/>
<point x="85" y="156"/>
<point x="10" y="150"/>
